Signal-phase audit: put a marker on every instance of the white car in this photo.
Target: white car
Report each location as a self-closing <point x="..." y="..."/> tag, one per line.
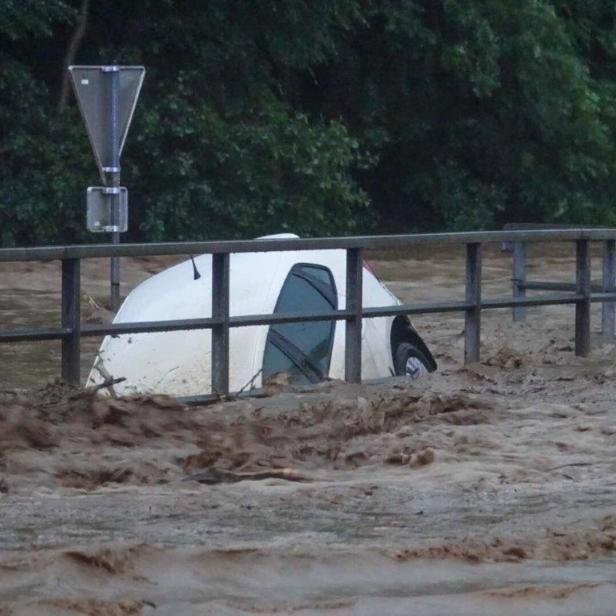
<point x="178" y="362"/>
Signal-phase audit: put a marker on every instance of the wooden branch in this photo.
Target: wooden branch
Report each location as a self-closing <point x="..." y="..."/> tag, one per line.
<point x="71" y="53"/>
<point x="107" y="383"/>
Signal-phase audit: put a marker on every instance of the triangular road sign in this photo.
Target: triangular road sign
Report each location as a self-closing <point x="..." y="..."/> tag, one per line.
<point x="93" y="89"/>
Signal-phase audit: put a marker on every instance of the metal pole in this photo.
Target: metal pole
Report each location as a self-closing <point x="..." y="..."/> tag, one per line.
<point x="71" y="315"/>
<point x="472" y="320"/>
<point x="582" y="307"/>
<point x="354" y="290"/>
<point x="609" y="282"/>
<point x="220" y="333"/>
<point x="519" y="278"/>
<point x="113" y="178"/>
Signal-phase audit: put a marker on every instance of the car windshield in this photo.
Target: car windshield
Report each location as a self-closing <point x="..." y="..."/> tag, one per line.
<point x="302" y="350"/>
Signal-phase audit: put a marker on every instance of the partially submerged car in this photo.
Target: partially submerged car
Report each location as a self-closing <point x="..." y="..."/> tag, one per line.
<point x="178" y="362"/>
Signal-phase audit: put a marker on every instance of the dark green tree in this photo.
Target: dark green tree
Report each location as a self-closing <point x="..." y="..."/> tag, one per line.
<point x="482" y="112"/>
<point x="317" y="116"/>
<point x="216" y="150"/>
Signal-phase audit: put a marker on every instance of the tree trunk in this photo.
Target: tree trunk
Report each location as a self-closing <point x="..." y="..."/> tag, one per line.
<point x="71" y="52"/>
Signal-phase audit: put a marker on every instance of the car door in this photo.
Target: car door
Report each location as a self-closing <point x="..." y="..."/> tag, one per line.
<point x="302" y="350"/>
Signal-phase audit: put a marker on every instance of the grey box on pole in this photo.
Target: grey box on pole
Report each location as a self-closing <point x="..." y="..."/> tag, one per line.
<point x="101" y="217"/>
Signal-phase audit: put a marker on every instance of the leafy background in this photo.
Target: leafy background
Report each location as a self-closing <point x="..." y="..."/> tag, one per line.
<point x="315" y="116"/>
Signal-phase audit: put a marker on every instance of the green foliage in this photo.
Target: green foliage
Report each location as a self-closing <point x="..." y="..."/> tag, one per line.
<point x="23" y="18"/>
<point x="317" y="116"/>
<point x="216" y="150"/>
<point x="244" y="174"/>
<point x="491" y="110"/>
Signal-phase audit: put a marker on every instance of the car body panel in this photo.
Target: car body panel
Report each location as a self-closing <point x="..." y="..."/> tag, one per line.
<point x="178" y="363"/>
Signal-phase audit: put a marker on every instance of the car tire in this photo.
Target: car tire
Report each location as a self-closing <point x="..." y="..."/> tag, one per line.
<point x="409" y="361"/>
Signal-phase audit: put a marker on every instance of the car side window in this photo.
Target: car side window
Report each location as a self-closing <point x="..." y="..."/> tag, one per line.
<point x="302" y="350"/>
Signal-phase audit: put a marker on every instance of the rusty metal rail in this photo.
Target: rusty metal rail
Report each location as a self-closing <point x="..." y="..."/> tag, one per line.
<point x="580" y="294"/>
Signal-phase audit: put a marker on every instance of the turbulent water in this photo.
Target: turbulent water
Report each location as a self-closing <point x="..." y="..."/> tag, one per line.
<point x="484" y="489"/>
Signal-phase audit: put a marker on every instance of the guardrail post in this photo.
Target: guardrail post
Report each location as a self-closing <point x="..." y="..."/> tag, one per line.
<point x="582" y="306"/>
<point x="519" y="278"/>
<point x="608" y="286"/>
<point x="71" y="318"/>
<point x="472" y="320"/>
<point x="220" y="333"/>
<point x="354" y="290"/>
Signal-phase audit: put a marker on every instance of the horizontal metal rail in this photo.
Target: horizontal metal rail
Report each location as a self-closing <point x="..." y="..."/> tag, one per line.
<point x="546" y="300"/>
<point x="580" y="294"/>
<point x="603" y="297"/>
<point x="369" y="242"/>
<point x="391" y="311"/>
<point x="27" y="334"/>
<point x="603" y="292"/>
<point x="270" y="319"/>
<point x="544" y="285"/>
<point x="143" y="327"/>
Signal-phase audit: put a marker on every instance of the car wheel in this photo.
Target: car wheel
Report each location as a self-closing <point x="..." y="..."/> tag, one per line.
<point x="410" y="362"/>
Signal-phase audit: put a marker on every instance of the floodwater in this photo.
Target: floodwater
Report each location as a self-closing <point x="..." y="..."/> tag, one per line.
<point x="483" y="489"/>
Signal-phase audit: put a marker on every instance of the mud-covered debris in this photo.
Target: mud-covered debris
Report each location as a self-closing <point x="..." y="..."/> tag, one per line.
<point x="422" y="458"/>
<point x="541" y="592"/>
<point x="508" y="359"/>
<point x="94" y="607"/>
<point x="415" y="459"/>
<point x="556" y="545"/>
<point x="215" y="475"/>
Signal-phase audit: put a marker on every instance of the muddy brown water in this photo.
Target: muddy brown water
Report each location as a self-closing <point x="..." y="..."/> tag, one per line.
<point x="484" y="489"/>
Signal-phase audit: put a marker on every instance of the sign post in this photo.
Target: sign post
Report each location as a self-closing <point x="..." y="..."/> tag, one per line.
<point x="107" y="97"/>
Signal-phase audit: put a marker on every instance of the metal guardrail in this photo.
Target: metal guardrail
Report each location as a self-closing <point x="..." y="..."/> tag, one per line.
<point x="580" y="294"/>
<point x="598" y="292"/>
